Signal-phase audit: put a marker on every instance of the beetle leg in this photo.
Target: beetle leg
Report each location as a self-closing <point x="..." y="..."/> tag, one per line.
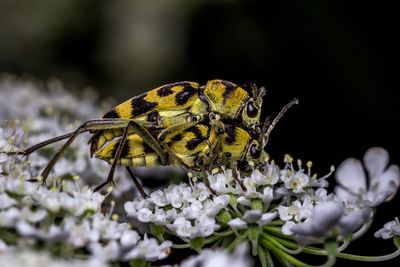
<point x="137" y="183"/>
<point x="215" y="147"/>
<point x="110" y="177"/>
<point x="99" y="124"/>
<point x="235" y="174"/>
<point x="167" y="134"/>
<point x="149" y="140"/>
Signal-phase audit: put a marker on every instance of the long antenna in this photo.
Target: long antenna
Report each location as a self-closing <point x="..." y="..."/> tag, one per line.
<point x="294" y="101"/>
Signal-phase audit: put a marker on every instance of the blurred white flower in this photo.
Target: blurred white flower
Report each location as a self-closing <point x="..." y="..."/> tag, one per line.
<point x="149" y="249"/>
<point x="382" y="184"/>
<point x="325" y="216"/>
<point x="213" y="258"/>
<point x="389" y="230"/>
<point x="31" y="258"/>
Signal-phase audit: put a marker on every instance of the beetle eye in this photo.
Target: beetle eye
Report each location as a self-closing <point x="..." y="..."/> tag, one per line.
<point x="252" y="111"/>
<point x="254" y="151"/>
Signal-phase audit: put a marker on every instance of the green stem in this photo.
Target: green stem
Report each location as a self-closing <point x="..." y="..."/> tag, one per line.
<point x="343" y="246"/>
<point x="217" y="236"/>
<point x="222" y="234"/>
<point x="180" y="246"/>
<point x="277" y="232"/>
<point x="235" y="242"/>
<point x="276" y="223"/>
<point x="321" y="252"/>
<point x="263" y="257"/>
<point x="280" y="246"/>
<point x="362" y="230"/>
<point x="8" y="237"/>
<point x="369" y="258"/>
<point x="279" y="253"/>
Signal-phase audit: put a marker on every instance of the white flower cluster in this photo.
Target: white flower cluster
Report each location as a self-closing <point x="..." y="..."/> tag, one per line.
<point x="45" y="114"/>
<point x="70" y="218"/>
<point x="351" y="205"/>
<point x="31" y="258"/>
<point x="189" y="212"/>
<point x="389" y="230"/>
<point x="292" y="195"/>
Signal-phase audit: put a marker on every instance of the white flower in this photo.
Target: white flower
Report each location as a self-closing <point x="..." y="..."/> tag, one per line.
<point x="33" y="216"/>
<point x="224" y="183"/>
<point x="268" y="177"/>
<point x="33" y="258"/>
<point x="237" y="223"/>
<point x="382" y="185"/>
<point x="149" y="249"/>
<point x="325" y="216"/>
<point x="3" y="247"/>
<point x="287" y="227"/>
<point x="389" y="230"/>
<point x="6" y="201"/>
<point x="87" y="201"/>
<point x="144" y="215"/>
<point x="354" y="219"/>
<point x="108" y="252"/>
<point x="129" y="238"/>
<point x="252" y="217"/>
<point x="295" y="180"/>
<point x="188" y="212"/>
<point x="182" y="227"/>
<point x="20" y="186"/>
<point x="9" y="217"/>
<point x="298" y="211"/>
<point x="206" y="226"/>
<point x="159" y="198"/>
<point x="211" y="258"/>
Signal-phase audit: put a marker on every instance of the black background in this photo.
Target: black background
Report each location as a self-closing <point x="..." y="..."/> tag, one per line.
<point x="339" y="58"/>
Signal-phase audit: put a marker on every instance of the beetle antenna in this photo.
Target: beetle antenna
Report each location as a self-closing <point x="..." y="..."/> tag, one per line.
<point x="267" y="130"/>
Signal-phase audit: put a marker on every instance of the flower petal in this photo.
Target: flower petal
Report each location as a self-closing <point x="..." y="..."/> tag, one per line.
<point x="324" y="217"/>
<point x="343" y="194"/>
<point x="375" y="160"/>
<point x="350" y="174"/>
<point x="386" y="181"/>
<point x="237" y="223"/>
<point x="353" y="221"/>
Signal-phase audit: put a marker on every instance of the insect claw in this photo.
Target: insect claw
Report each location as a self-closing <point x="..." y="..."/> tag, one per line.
<point x="100" y="186"/>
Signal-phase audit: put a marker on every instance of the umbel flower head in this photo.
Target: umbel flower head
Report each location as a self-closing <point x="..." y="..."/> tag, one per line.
<point x="279" y="211"/>
<point x="288" y="205"/>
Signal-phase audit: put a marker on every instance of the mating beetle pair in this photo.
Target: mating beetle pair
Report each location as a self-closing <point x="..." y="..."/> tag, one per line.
<point x="181" y="124"/>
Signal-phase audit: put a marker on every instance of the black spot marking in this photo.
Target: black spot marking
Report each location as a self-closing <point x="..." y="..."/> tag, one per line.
<point x="230" y="131"/>
<point x="141" y="106"/>
<point x="182" y="97"/>
<point x="193" y="143"/>
<point x="166" y="90"/>
<point x="177" y="138"/>
<point x="229" y="89"/>
<point x="111" y="114"/>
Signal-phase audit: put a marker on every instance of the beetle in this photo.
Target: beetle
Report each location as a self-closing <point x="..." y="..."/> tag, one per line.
<point x="197" y="149"/>
<point x="171" y="108"/>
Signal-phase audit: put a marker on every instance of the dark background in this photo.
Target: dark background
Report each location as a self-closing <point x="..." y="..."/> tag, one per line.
<point x="339" y="59"/>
